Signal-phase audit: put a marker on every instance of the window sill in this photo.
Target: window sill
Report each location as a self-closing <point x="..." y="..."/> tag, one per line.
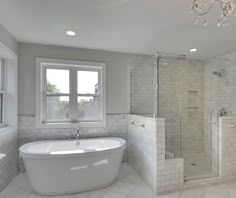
<point x="70" y="125"/>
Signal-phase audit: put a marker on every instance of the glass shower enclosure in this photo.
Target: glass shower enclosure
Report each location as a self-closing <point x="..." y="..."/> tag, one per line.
<point x="183" y="100"/>
<point x="190" y="93"/>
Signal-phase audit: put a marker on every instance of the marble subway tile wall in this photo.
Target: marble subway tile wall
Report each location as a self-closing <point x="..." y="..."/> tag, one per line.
<point x="9" y="163"/>
<point x="170" y="172"/>
<point x="170" y="176"/>
<point x="116" y="127"/>
<point x="142" y="147"/>
<point x="146" y="153"/>
<point x="181" y="99"/>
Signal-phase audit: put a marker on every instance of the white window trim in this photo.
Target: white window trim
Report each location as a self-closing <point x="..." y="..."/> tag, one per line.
<point x="3" y="92"/>
<point x="40" y="68"/>
<point x="10" y="89"/>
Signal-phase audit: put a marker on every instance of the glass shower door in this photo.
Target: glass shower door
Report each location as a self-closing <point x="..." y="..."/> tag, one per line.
<point x="183" y="102"/>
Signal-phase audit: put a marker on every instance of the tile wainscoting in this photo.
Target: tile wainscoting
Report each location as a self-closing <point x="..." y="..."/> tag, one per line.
<point x="116" y="127"/>
<point x="8" y="156"/>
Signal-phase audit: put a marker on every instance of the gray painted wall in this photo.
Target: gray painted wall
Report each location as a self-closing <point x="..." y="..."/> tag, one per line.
<point x="8" y="40"/>
<point x="117" y="71"/>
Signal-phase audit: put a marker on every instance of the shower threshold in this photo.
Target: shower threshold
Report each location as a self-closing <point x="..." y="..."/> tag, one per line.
<point x="207" y="176"/>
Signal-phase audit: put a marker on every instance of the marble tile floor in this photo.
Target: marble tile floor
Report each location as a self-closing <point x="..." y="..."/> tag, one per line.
<point x="128" y="185"/>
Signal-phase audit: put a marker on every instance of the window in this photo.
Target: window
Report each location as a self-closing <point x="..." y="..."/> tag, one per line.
<point x="2" y="100"/>
<point x="70" y="93"/>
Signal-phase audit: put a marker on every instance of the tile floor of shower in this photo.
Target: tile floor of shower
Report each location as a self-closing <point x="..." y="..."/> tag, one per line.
<point x="128" y="185"/>
<point x="197" y="166"/>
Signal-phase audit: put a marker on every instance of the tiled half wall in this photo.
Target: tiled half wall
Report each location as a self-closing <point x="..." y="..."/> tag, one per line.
<point x="146" y="153"/>
<point x="227" y="148"/>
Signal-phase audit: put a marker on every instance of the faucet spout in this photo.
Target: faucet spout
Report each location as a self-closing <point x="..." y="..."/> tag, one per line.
<point x="77" y="135"/>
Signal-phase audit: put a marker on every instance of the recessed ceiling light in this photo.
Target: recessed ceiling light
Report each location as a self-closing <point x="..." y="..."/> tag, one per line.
<point x="70" y="33"/>
<point x="193" y="50"/>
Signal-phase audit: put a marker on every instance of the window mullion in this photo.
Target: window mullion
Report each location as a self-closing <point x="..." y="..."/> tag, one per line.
<point x="44" y="95"/>
<point x="73" y="94"/>
<point x="3" y="96"/>
<point x="100" y="94"/>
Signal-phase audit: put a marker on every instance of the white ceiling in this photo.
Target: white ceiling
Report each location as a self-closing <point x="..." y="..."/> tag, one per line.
<point x="137" y="26"/>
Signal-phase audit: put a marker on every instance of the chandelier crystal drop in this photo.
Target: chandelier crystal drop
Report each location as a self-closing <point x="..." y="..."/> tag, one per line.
<point x="200" y="8"/>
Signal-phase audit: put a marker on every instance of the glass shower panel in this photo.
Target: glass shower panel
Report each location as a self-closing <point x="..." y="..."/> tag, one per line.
<point x="169" y="104"/>
<point x="143" y="85"/>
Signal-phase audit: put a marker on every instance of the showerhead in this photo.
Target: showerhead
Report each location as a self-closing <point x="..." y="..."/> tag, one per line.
<point x="219" y="73"/>
<point x="182" y="56"/>
<point x="215" y="73"/>
<point x="157" y="55"/>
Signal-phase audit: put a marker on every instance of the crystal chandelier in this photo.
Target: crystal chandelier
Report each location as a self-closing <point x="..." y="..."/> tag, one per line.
<point x="200" y="8"/>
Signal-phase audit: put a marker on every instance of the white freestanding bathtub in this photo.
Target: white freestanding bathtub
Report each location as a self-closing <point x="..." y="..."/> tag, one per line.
<point x="66" y="167"/>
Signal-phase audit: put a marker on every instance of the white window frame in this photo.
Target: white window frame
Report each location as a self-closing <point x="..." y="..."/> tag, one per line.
<point x="44" y="63"/>
<point x="2" y="91"/>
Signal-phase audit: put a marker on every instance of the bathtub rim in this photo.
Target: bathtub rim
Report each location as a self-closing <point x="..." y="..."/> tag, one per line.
<point x="48" y="156"/>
